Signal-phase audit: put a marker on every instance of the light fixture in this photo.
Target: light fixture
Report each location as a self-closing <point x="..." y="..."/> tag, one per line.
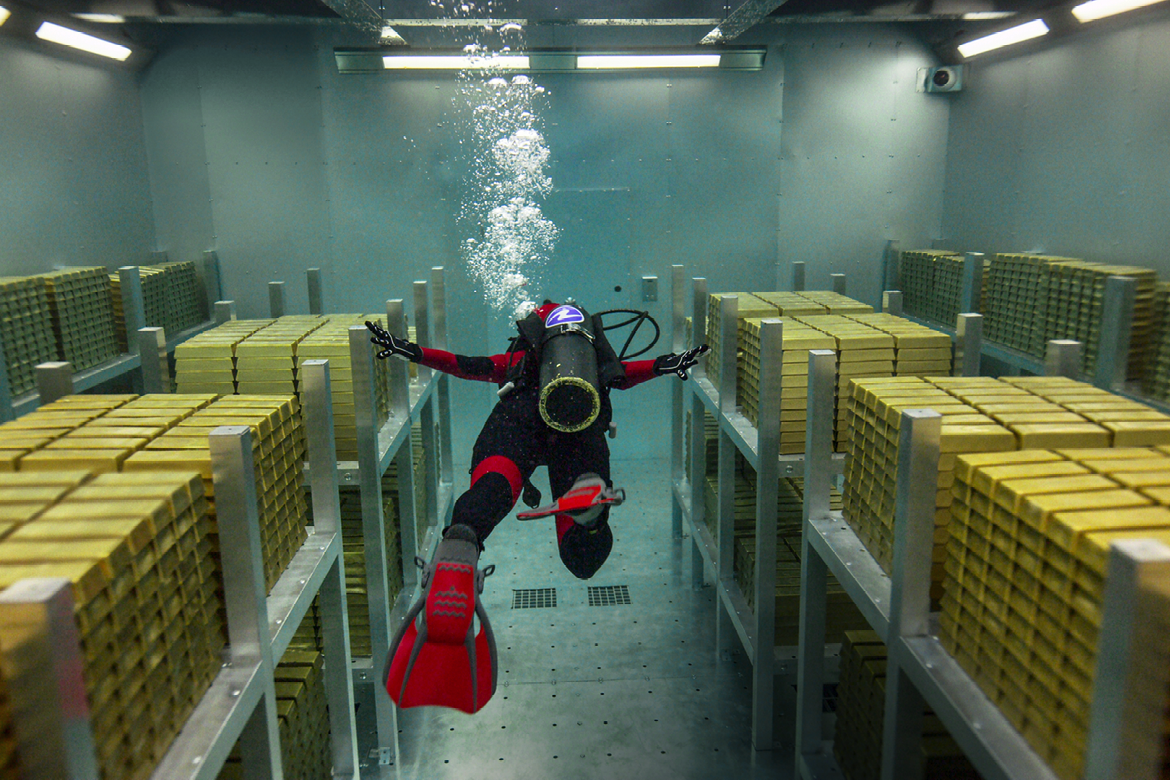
<point x="454" y="62"/>
<point x="390" y="37"/>
<point x="83" y="41"/>
<point x="1099" y="9"/>
<point x="1017" y="34"/>
<point x="4" y="14"/>
<point x="635" y="61"/>
<point x="101" y="18"/>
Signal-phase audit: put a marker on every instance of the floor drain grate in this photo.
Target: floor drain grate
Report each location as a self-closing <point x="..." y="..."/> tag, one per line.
<point x="534" y="598"/>
<point x="609" y="595"/>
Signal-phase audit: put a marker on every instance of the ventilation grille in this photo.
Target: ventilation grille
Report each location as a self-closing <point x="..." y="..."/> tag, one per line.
<point x="609" y="596"/>
<point x="534" y="598"/>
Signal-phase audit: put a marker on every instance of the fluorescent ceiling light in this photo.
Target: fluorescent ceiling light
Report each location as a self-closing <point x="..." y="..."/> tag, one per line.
<point x="4" y="14"/>
<point x="1099" y="9"/>
<point x="79" y="40"/>
<point x="1017" y="34"/>
<point x="454" y="62"/>
<point x="626" y="61"/>
<point x="391" y="37"/>
<point x="102" y="18"/>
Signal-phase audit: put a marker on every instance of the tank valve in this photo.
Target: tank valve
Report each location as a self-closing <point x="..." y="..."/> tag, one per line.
<point x="612" y="430"/>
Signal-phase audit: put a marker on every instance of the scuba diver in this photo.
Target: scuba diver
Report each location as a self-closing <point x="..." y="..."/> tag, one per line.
<point x="554" y="410"/>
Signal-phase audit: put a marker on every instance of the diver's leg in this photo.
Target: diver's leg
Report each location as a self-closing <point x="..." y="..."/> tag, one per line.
<point x="503" y="457"/>
<point x="583" y="548"/>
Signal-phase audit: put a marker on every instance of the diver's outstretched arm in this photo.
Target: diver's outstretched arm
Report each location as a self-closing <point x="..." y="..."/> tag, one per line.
<point x="483" y="369"/>
<point x="638" y="371"/>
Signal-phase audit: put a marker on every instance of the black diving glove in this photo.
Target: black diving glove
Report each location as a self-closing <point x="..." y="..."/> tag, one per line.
<point x="393" y="345"/>
<point x="678" y="364"/>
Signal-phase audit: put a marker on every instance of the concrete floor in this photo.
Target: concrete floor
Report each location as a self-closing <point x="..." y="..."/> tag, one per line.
<point x="621" y="690"/>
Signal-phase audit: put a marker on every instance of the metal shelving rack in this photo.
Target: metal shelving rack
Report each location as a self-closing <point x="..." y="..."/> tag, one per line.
<point x="148" y="352"/>
<point x="241" y="702"/>
<point x="760" y="447"/>
<point x="919" y="670"/>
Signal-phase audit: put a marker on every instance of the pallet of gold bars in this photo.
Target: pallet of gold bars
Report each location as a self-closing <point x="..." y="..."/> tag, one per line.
<point x="207" y="362"/>
<point x="26" y="330"/>
<point x="747" y="306"/>
<point x="83" y="316"/>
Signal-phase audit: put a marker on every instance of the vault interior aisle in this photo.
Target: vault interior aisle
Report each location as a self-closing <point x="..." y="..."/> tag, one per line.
<point x="629" y="690"/>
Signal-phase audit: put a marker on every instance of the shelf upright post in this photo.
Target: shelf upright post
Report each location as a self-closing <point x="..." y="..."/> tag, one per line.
<point x="725" y="634"/>
<point x="918" y="456"/>
<point x="156" y="367"/>
<point x="316" y="292"/>
<point x="398" y="369"/>
<point x="249" y="641"/>
<point x="838" y="281"/>
<point x="818" y="456"/>
<point x="276" y="299"/>
<point x="892" y="302"/>
<point x="698" y="475"/>
<point x="1116" y="331"/>
<point x="798" y="276"/>
<point x="318" y="409"/>
<point x="968" y="344"/>
<point x="361" y="359"/>
<point x="212" y="286"/>
<point x="971" y="294"/>
<point x="422" y="325"/>
<point x="1063" y="358"/>
<point x="225" y="311"/>
<point x="404" y="459"/>
<point x="6" y="411"/>
<point x="133" y="315"/>
<point x="439" y="304"/>
<point x="767" y="490"/>
<point x="891" y="266"/>
<point x="54" y="380"/>
<point x="42" y="664"/>
<point x="677" y="295"/>
<point x="1129" y="688"/>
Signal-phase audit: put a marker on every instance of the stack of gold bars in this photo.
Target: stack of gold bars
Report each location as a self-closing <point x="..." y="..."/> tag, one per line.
<point x="83" y="317"/>
<point x="207" y="362"/>
<point x="791" y="304"/>
<point x="303" y="712"/>
<point x="861" y="710"/>
<point x="1157" y="376"/>
<point x="1026" y="574"/>
<point x="26" y="330"/>
<point x="918" y="350"/>
<point x="836" y="303"/>
<point x="266" y="361"/>
<point x="182" y="300"/>
<point x="331" y="342"/>
<point x="137" y="550"/>
<point x="932" y="280"/>
<point x="798" y="339"/>
<point x="980" y="415"/>
<point x="1010" y="299"/>
<point x="747" y="307"/>
<point x="153" y="283"/>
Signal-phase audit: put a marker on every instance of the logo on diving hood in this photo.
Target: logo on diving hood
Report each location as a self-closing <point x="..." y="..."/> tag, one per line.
<point x="563" y="315"/>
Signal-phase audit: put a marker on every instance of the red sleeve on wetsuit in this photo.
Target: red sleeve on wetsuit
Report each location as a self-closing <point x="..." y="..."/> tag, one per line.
<point x="637" y="372"/>
<point x="483" y="369"/>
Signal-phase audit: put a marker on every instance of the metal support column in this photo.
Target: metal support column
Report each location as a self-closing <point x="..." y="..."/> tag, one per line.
<point x="892" y="302"/>
<point x="918" y="456"/>
<point x="54" y="380"/>
<point x="439" y="306"/>
<point x="225" y="311"/>
<point x="318" y="413"/>
<point x="316" y="293"/>
<point x="798" y="276"/>
<point x="212" y="284"/>
<point x="810" y="659"/>
<point x="361" y="358"/>
<point x="838" y="283"/>
<point x="725" y="634"/>
<point x="276" y="299"/>
<point x="1063" y="358"/>
<point x="42" y="663"/>
<point x="677" y="339"/>
<point x="1116" y="331"/>
<point x="971" y="294"/>
<point x="968" y="344"/>
<point x="404" y="460"/>
<point x="698" y="475"/>
<point x="1126" y="726"/>
<point x="152" y="354"/>
<point x="133" y="303"/>
<point x="891" y="267"/>
<point x="422" y="324"/>
<point x="245" y="592"/>
<point x="398" y="368"/>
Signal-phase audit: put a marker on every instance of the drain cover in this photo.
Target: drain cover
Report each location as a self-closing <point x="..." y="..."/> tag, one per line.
<point x="534" y="598"/>
<point x="609" y="595"/>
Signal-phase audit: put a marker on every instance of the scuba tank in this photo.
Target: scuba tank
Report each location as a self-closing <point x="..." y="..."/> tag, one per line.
<point x="570" y="394"/>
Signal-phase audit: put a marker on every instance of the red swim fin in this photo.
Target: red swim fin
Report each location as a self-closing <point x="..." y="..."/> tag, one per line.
<point x="585" y="494"/>
<point x="436" y="658"/>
